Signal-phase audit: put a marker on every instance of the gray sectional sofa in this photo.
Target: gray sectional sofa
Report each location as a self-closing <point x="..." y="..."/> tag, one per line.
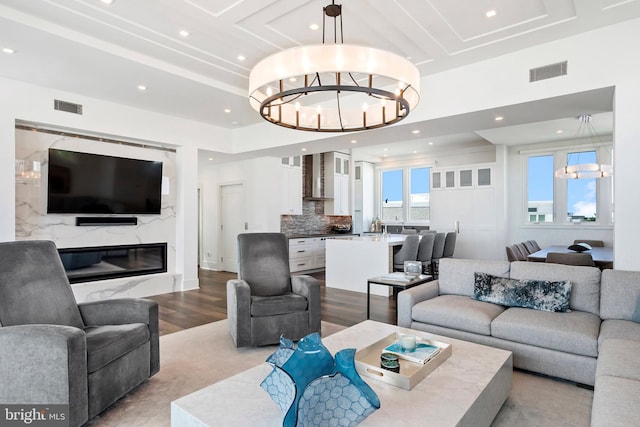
<point x="596" y="343"/>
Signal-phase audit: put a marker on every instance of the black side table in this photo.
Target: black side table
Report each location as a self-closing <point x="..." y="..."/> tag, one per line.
<point x="398" y="281"/>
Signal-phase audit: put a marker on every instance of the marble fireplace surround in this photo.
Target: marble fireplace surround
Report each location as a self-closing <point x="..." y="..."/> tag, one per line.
<point x="33" y="222"/>
<point x="88" y="264"/>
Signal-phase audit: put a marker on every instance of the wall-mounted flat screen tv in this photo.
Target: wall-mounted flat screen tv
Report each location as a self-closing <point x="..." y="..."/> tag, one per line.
<point x="82" y="183"/>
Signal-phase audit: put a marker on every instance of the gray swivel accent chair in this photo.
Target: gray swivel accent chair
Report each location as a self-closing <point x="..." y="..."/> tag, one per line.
<point x="425" y="251"/>
<point x="55" y="351"/>
<point x="408" y="252"/>
<point x="265" y="301"/>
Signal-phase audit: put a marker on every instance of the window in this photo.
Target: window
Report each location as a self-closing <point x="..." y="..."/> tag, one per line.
<point x="540" y="188"/>
<point x="581" y="193"/>
<point x="562" y="201"/>
<point x="392" y="195"/>
<point x="419" y="197"/>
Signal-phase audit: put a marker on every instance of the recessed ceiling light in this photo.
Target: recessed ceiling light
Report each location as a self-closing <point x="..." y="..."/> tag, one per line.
<point x="353" y="141"/>
<point x="142" y="88"/>
<point x="386" y="149"/>
<point x="499" y="118"/>
<point x="234" y="122"/>
<point x="8" y="50"/>
<point x="491" y="13"/>
<point x="415" y="151"/>
<point x="303" y="149"/>
<point x="559" y="131"/>
<point x="415" y="132"/>
<point x="184" y="33"/>
<point x="210" y="158"/>
<point x="430" y="143"/>
<point x="226" y="110"/>
<point x="107" y="1"/>
<point x="292" y="79"/>
<point x="314" y="27"/>
<point x="241" y="57"/>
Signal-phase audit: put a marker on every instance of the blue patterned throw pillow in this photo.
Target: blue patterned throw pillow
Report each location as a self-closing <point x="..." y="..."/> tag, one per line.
<point x="537" y="294"/>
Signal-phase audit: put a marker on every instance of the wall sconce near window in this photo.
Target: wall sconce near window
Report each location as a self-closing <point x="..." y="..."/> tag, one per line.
<point x="27" y="171"/>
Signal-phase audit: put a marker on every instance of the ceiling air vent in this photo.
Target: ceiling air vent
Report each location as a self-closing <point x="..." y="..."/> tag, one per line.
<point x="69" y="107"/>
<point x="548" y="71"/>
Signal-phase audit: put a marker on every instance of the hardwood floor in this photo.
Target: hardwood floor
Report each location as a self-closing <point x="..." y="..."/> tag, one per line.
<point x="183" y="310"/>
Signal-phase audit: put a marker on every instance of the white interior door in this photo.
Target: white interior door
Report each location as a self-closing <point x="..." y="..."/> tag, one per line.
<point x="232" y="223"/>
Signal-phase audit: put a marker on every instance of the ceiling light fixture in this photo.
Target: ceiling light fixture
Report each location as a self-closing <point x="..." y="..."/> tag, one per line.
<point x="107" y="1"/>
<point x="314" y="27"/>
<point x="585" y="170"/>
<point x="499" y="118"/>
<point x="8" y="50"/>
<point x="491" y="13"/>
<point x="341" y="87"/>
<point x="142" y="88"/>
<point x="241" y="57"/>
<point x="184" y="33"/>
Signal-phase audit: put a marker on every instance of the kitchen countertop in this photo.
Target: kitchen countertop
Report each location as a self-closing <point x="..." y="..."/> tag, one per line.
<point x="308" y="236"/>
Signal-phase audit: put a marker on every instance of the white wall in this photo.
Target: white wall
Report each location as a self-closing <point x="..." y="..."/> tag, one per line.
<point x="261" y="181"/>
<point x="33" y="104"/>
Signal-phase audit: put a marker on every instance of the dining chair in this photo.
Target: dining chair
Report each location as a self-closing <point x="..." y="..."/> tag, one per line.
<point x="521" y="254"/>
<point x="438" y="252"/>
<point x="535" y="245"/>
<point x="522" y="249"/>
<point x="425" y="251"/>
<point x="530" y="248"/>
<point x="592" y="243"/>
<point x="511" y="254"/>
<point x="409" y="231"/>
<point x="423" y="232"/>
<point x="408" y="252"/>
<point x="449" y="244"/>
<point x="580" y="259"/>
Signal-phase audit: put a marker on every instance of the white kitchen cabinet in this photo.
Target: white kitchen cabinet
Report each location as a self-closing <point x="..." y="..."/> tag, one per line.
<point x="337" y="182"/>
<point x="306" y="253"/>
<point x="291" y="186"/>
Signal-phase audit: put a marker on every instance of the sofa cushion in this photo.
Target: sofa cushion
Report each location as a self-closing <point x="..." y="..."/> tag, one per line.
<point x="585" y="281"/>
<point x="536" y="294"/>
<point x="619" y="358"/>
<point x="620" y="295"/>
<point x="615" y="402"/>
<point x="107" y="343"/>
<point x="623" y="329"/>
<point x="457" y="312"/>
<point x="456" y="275"/>
<point x="575" y="332"/>
<point x="279" y="304"/>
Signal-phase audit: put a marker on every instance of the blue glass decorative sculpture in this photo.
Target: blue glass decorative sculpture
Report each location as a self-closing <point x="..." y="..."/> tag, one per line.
<point x="312" y="388"/>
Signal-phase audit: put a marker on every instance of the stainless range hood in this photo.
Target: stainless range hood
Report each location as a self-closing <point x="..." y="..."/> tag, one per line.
<point x="313" y="179"/>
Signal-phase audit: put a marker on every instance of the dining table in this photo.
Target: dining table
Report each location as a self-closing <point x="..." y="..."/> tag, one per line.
<point x="602" y="256"/>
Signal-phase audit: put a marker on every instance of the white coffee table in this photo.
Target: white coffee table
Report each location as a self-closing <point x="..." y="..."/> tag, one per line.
<point x="468" y="389"/>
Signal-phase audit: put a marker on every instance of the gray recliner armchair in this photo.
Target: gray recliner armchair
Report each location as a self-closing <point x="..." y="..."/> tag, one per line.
<point x="55" y="351"/>
<point x="265" y="301"/>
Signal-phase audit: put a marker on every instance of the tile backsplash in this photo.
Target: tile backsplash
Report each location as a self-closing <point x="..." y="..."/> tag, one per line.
<point x="313" y="220"/>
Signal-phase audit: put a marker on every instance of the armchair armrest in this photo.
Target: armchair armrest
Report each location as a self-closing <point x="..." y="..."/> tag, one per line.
<point x="45" y="364"/>
<point x="239" y="311"/>
<point x="126" y="310"/>
<point x="309" y="287"/>
<point x="410" y="297"/>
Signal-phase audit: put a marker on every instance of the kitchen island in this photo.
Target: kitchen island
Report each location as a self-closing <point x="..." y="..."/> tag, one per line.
<point x="351" y="261"/>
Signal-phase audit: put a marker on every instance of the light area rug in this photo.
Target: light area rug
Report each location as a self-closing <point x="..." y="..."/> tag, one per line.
<point x="200" y="356"/>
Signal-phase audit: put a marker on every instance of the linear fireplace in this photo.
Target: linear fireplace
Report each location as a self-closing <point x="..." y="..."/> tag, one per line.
<point x="108" y="262"/>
